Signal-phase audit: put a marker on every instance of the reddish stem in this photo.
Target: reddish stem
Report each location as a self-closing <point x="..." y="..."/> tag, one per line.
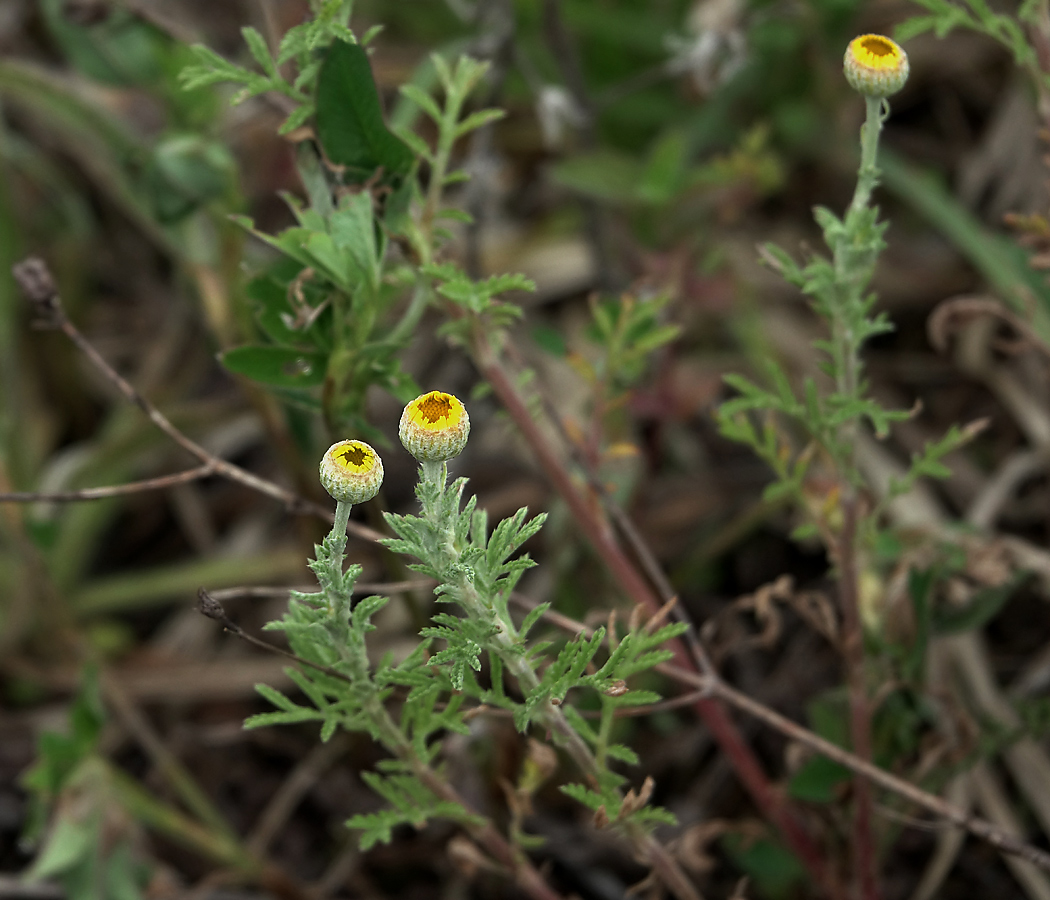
<point x="587" y="513"/>
<point x="864" y="857"/>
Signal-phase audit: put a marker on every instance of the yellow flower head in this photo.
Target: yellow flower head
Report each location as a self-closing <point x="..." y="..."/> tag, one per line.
<point x="351" y="471"/>
<point x="875" y="66"/>
<point x="434" y="427"/>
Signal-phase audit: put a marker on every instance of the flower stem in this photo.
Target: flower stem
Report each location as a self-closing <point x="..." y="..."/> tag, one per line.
<point x="868" y="174"/>
<point x="342" y="518"/>
<point x="864" y="855"/>
<point x="434" y="472"/>
<point x="772" y="802"/>
<point x="854" y="257"/>
<point x="350" y="645"/>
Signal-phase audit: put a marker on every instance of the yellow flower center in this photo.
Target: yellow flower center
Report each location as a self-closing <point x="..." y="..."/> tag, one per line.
<point x="876" y="52"/>
<point x="355" y="457"/>
<point x="436" y="411"/>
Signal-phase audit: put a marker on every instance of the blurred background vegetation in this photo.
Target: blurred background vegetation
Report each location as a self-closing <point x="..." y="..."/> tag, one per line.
<point x="649" y="147"/>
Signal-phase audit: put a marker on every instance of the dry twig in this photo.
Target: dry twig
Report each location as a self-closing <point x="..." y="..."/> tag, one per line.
<point x="35" y="280"/>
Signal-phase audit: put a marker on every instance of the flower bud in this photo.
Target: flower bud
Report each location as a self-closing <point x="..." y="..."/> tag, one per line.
<point x="875" y="66"/>
<point x="434" y="427"/>
<point x="351" y="472"/>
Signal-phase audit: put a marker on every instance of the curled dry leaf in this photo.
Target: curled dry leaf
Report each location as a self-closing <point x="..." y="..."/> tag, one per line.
<point x="952" y="313"/>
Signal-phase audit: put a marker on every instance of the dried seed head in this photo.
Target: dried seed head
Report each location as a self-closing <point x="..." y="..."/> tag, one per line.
<point x="434" y="427"/>
<point x="875" y="66"/>
<point x="351" y="472"/>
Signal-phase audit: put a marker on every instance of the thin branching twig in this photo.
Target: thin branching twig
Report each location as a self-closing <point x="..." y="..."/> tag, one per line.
<point x="716" y="687"/>
<point x="37" y="284"/>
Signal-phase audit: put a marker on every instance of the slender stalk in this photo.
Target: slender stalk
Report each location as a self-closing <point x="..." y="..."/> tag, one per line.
<point x="852" y="269"/>
<point x="868" y="173"/>
<point x="551" y="717"/>
<point x="114" y="490"/>
<point x="37" y="284"/>
<point x="865" y="860"/>
<point x="353" y="653"/>
<point x="769" y="800"/>
<point x="342" y="518"/>
<point x="417" y="306"/>
<point x="447" y="135"/>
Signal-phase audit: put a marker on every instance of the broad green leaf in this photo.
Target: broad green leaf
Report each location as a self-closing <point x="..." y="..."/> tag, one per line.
<point x="273" y="310"/>
<point x="281" y="366"/>
<point x="350" y="122"/>
<point x="353" y="230"/>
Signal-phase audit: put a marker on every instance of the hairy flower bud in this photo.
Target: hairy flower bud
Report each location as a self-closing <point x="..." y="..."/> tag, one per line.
<point x="434" y="427"/>
<point x="875" y="66"/>
<point x="351" y="472"/>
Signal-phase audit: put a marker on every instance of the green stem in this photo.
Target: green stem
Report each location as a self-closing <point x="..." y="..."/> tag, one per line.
<point x="506" y="645"/>
<point x="434" y="472"/>
<point x="604" y="732"/>
<point x="350" y="644"/>
<point x="439" y="169"/>
<point x="853" y="261"/>
<point x="855" y="253"/>
<point x="406" y="326"/>
<point x="342" y="518"/>
<point x="868" y="174"/>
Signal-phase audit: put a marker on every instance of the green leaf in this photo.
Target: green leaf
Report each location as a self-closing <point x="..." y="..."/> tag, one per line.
<point x="184" y="172"/>
<point x="478" y="119"/>
<point x="371" y="34"/>
<point x="280" y="366"/>
<point x="775" y="871"/>
<point x="583" y="795"/>
<point x="817" y="780"/>
<point x="296" y="119"/>
<point x="70" y="841"/>
<point x="603" y="175"/>
<point x="353" y="232"/>
<point x="260" y="52"/>
<point x="662" y="176"/>
<point x="535" y="614"/>
<point x="121" y="49"/>
<point x="423" y="100"/>
<point x="415" y="143"/>
<point x="270" y="292"/>
<point x="350" y="122"/>
<point x="265" y="720"/>
<point x="623" y="754"/>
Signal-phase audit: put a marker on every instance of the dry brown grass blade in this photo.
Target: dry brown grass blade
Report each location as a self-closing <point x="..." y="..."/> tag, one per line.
<point x="949" y="843"/>
<point x="287" y="797"/>
<point x="996" y="805"/>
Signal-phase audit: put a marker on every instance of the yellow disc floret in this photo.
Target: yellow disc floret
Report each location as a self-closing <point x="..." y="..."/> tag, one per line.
<point x="351" y="471"/>
<point x="434" y="427"/>
<point x="875" y="66"/>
